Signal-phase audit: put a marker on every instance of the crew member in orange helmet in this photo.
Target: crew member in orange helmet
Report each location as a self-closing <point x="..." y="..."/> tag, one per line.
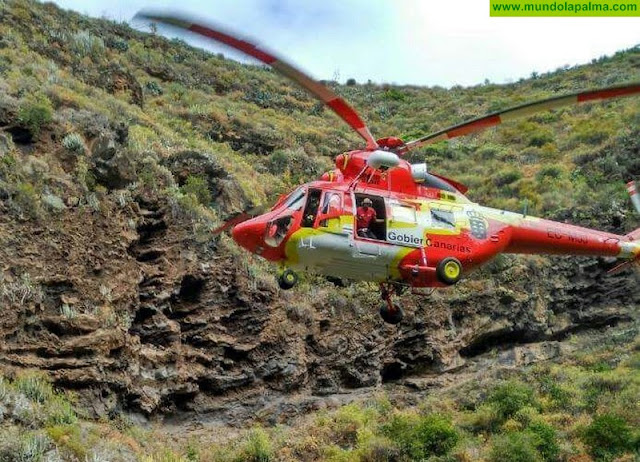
<point x="365" y="217"/>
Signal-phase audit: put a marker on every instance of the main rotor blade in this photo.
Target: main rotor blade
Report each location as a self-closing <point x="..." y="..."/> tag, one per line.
<point x="524" y="110"/>
<point x="320" y="91"/>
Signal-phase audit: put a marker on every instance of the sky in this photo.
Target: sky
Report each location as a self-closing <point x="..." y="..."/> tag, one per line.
<point x="417" y="42"/>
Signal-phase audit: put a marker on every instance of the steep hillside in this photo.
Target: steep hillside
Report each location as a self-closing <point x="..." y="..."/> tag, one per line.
<point x="120" y="150"/>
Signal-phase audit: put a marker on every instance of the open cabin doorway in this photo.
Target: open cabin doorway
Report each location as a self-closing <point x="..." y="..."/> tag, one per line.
<point x="376" y="227"/>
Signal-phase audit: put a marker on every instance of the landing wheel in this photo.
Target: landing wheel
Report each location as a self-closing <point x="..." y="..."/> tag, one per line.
<point x="449" y="270"/>
<point x="391" y="316"/>
<point x="390" y="312"/>
<point x="287" y="279"/>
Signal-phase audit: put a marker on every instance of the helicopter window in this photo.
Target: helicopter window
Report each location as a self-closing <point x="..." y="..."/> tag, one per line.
<point x="277" y="230"/>
<point x="403" y="213"/>
<point x="442" y="219"/>
<point x="332" y="202"/>
<point x="331" y="205"/>
<point x="295" y="200"/>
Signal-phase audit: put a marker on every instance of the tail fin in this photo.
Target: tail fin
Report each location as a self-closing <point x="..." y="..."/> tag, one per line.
<point x="633" y="236"/>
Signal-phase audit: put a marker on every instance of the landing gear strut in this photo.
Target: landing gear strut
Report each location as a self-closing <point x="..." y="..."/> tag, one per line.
<point x="390" y="312"/>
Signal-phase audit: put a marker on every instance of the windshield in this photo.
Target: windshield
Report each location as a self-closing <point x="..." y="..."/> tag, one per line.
<point x="295" y="200"/>
<point x="276" y="230"/>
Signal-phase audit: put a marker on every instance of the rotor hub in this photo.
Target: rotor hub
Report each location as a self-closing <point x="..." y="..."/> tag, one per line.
<point x="390" y="142"/>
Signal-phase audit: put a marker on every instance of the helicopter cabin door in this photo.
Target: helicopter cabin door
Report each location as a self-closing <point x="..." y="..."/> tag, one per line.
<point x="311" y="208"/>
<point x="371" y="254"/>
<point x="328" y="245"/>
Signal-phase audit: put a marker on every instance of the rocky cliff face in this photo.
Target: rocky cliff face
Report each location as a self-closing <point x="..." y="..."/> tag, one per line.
<point x="134" y="312"/>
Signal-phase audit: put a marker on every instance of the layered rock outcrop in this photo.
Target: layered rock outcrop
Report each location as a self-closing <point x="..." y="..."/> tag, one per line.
<point x="132" y="311"/>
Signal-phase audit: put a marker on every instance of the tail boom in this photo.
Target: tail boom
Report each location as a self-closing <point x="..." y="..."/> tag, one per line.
<point x="538" y="236"/>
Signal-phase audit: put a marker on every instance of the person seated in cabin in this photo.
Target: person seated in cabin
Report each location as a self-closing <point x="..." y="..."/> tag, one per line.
<point x="365" y="217"/>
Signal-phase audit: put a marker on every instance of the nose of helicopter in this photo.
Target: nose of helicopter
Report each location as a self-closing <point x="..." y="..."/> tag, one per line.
<point x="249" y="234"/>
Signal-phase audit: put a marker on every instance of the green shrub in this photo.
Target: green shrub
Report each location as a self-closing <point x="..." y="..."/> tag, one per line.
<point x="278" y="161"/>
<point x="7" y="163"/>
<point x="116" y="43"/>
<point x="607" y="436"/>
<point x="422" y="437"/>
<point x="197" y="186"/>
<point x="490" y="151"/>
<point x="506" y="176"/>
<point x="601" y="385"/>
<point x="85" y="176"/>
<point x="73" y="143"/>
<point x="349" y="421"/>
<point x="550" y="171"/>
<point x="35" y="387"/>
<point x="84" y="43"/>
<point x="592" y="131"/>
<point x="486" y="418"/>
<point x="69" y="438"/>
<point x="35" y="112"/>
<point x="60" y="412"/>
<point x="257" y="447"/>
<point x="436" y="435"/>
<point x="295" y="166"/>
<point x="260" y="97"/>
<point x="509" y="397"/>
<point x="513" y="447"/>
<point x="599" y="366"/>
<point x="153" y="88"/>
<point x="540" y="138"/>
<point x="25" y="447"/>
<point x="26" y="198"/>
<point x="545" y="440"/>
<point x="394" y="94"/>
<point x="526" y="415"/>
<point x="550" y="387"/>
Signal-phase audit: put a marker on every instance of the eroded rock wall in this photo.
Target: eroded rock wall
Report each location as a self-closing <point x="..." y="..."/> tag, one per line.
<point x="129" y="309"/>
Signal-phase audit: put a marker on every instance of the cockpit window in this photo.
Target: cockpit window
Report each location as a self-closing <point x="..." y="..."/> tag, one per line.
<point x="296" y="200"/>
<point x="332" y="202"/>
<point x="277" y="230"/>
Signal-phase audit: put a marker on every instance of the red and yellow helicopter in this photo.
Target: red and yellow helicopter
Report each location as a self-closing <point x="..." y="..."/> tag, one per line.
<point x="376" y="217"/>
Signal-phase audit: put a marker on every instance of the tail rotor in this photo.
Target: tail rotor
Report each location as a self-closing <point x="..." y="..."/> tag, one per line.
<point x="635" y="197"/>
<point x="634" y="236"/>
